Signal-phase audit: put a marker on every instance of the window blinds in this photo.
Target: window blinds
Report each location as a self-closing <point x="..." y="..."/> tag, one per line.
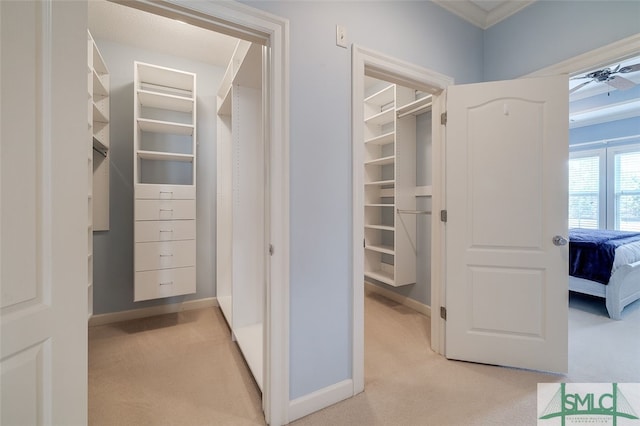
<point x="584" y="194"/>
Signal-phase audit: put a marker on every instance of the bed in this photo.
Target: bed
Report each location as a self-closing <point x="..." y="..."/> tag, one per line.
<point x="606" y="264"/>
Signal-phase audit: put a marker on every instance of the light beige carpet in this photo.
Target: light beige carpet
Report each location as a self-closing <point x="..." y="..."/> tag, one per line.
<point x="182" y="369"/>
<point x="175" y="369"/>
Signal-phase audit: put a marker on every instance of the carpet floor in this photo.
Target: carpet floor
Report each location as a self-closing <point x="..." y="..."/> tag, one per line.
<point x="182" y="369"/>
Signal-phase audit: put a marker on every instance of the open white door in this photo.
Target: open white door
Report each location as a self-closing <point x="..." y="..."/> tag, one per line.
<point x="44" y="212"/>
<point x="506" y="198"/>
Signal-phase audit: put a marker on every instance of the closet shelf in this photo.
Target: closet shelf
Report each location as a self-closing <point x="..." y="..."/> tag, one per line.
<point x="98" y="61"/>
<point x="380" y="182"/>
<point x="380" y="248"/>
<point x="382" y="276"/>
<point x="224" y="107"/>
<point x="100" y="146"/>
<point x="380" y="227"/>
<point x="165" y="156"/>
<point x="165" y="101"/>
<point x="424" y="191"/>
<point x="416" y="107"/>
<point x="382" y="139"/>
<point x="379" y="205"/>
<point x="99" y="87"/>
<point x="382" y="97"/>
<point x="157" y="126"/>
<point x="161" y="76"/>
<point x="99" y="114"/>
<point x="381" y="161"/>
<point x="383" y="117"/>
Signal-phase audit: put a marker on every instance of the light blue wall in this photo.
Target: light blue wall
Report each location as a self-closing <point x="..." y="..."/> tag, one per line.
<point x="113" y="249"/>
<point x="321" y="198"/>
<point x="548" y="32"/>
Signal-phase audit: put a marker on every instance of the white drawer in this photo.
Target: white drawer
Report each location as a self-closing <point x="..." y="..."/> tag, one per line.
<point x="164" y="255"/>
<point x="164" y="230"/>
<point x="165" y="209"/>
<point x="165" y="192"/>
<point x="164" y="283"/>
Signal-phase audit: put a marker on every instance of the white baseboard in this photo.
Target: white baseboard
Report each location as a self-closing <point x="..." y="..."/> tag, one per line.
<point x="403" y="300"/>
<point x="170" y="308"/>
<point x="320" y="399"/>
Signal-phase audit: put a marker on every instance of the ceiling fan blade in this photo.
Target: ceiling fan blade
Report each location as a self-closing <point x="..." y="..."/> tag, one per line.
<point x="630" y="68"/>
<point x="620" y="83"/>
<point x="579" y="77"/>
<point x="580" y="86"/>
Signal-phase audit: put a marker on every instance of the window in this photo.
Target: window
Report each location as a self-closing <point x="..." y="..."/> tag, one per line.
<point x="604" y="188"/>
<point x="626" y="189"/>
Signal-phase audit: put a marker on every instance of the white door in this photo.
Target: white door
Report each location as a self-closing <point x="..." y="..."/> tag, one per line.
<point x="44" y="212"/>
<point x="506" y="198"/>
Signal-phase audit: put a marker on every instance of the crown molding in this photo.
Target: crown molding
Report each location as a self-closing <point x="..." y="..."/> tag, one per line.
<point x="479" y="17"/>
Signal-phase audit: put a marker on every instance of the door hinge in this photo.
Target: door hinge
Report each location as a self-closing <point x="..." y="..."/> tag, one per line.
<point x="364" y="243"/>
<point x="271" y="250"/>
<point x="443" y="215"/>
<point x="443" y="118"/>
<point x="443" y="313"/>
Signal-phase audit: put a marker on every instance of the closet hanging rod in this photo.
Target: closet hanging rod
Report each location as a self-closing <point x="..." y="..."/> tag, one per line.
<point x="104" y="154"/>
<point x="415" y="110"/>
<point x="414" y="211"/>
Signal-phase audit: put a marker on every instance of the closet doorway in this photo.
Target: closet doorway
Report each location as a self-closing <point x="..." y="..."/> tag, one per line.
<point x="262" y="40"/>
<point x="396" y="169"/>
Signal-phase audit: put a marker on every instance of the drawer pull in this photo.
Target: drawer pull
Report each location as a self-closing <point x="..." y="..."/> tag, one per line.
<point x="166" y="283"/>
<point x="166" y="255"/>
<point x="166" y="192"/>
<point x="166" y="230"/>
<point x="166" y="210"/>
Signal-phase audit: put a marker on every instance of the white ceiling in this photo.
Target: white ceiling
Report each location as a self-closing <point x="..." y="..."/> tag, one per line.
<point x="599" y="102"/>
<point x="133" y="27"/>
<point x="484" y="13"/>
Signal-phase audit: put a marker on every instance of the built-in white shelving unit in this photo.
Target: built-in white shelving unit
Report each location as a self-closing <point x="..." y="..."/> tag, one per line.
<point x="97" y="153"/>
<point x="390" y="242"/>
<point x="99" y="84"/>
<point x="241" y="243"/>
<point x="164" y="182"/>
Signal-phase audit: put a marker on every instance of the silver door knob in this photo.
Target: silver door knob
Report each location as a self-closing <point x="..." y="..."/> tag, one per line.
<point x="560" y="240"/>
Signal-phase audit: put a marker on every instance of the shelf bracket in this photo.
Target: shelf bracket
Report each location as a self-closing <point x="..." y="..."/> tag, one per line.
<point x="101" y="152"/>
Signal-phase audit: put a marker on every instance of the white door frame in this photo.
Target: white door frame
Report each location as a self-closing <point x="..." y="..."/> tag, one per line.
<point x="602" y="56"/>
<point x="254" y="25"/>
<point x="387" y="68"/>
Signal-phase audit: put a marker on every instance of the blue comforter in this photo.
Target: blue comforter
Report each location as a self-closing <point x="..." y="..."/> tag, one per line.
<point x="591" y="252"/>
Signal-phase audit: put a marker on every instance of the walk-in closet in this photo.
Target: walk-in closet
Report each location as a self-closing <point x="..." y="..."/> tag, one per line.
<point x="177" y="167"/>
<point x="397" y="188"/>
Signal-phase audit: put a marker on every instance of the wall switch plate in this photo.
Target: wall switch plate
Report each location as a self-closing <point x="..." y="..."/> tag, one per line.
<point x="341" y="36"/>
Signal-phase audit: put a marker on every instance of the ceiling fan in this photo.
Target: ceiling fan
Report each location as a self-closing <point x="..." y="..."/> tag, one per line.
<point x="609" y="76"/>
